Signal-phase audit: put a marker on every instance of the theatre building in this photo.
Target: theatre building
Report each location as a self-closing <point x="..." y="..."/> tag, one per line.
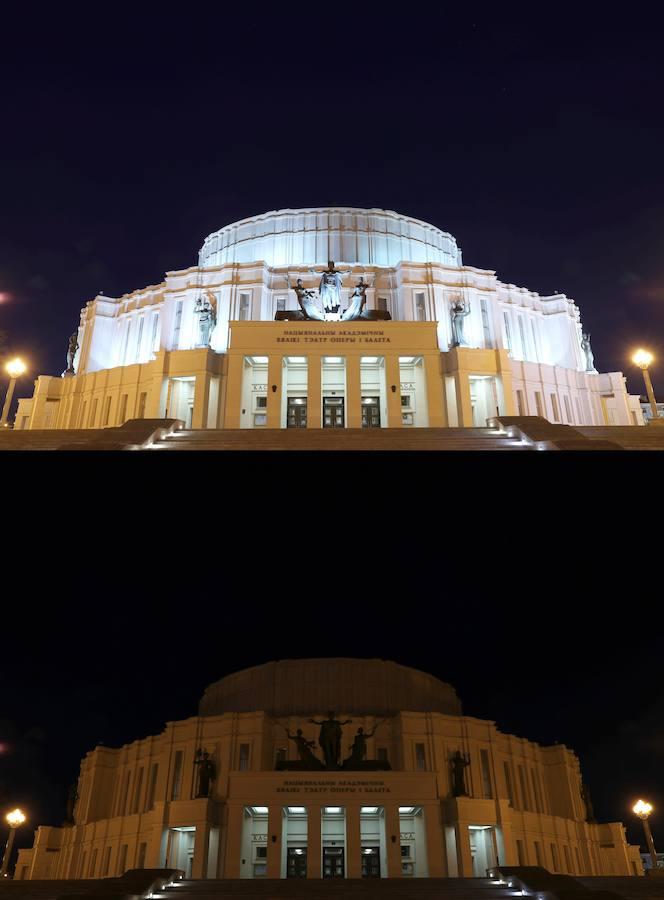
<point x="329" y="768"/>
<point x="386" y="328"/>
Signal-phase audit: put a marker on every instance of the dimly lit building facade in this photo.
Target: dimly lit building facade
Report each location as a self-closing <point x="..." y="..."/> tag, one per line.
<point x="514" y="352"/>
<point x="255" y="786"/>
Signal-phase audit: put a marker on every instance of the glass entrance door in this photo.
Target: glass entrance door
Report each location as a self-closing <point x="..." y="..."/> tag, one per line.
<point x="333" y="862"/>
<point x="370" y="862"/>
<point x="370" y="412"/>
<point x="297" y="862"/>
<point x="333" y="412"/>
<point x="297" y="412"/>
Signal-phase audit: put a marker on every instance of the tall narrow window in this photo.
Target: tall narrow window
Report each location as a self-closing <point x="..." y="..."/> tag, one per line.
<point x="177" y="775"/>
<point x="486" y="328"/>
<point x="142" y="400"/>
<point x="540" y="405"/>
<point x="93" y="413"/>
<point x="579" y="417"/>
<point x="137" y="791"/>
<point x="579" y="867"/>
<point x="178" y="325"/>
<point x="535" y="341"/>
<point x="125" y="795"/>
<point x="521" y="406"/>
<point x="82" y="869"/>
<point x="122" y="416"/>
<point x="245" y="301"/>
<point x="153" y="786"/>
<point x="243" y="763"/>
<point x="522" y="334"/>
<point x="538" y="855"/>
<point x="155" y="333"/>
<point x="139" y="340"/>
<point x="93" y="863"/>
<point x="554" y="857"/>
<point x="508" y="785"/>
<point x="106" y="862"/>
<point x="122" y="859"/>
<point x="107" y="412"/>
<point x="486" y="775"/>
<point x="508" y="332"/>
<point x="521" y="853"/>
<point x="420" y="758"/>
<point x="83" y="410"/>
<point x="554" y="406"/>
<point x="142" y="850"/>
<point x="568" y="859"/>
<point x="420" y="308"/>
<point x="524" y="789"/>
<point x="281" y="304"/>
<point x="126" y="342"/>
<point x="568" y="409"/>
<point x="536" y="792"/>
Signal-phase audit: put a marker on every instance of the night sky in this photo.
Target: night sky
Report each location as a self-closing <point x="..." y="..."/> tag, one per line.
<point x="531" y="133"/>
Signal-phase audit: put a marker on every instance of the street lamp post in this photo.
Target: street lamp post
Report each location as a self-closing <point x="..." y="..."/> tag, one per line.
<point x="15" y="368"/>
<point x="643" y="360"/>
<point x="643" y="810"/>
<point x="14" y="819"/>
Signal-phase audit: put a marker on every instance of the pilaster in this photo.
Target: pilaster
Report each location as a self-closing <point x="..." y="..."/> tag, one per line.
<point x="274" y="376"/>
<point x="353" y="393"/>
<point x="393" y="380"/>
<point x="393" y="841"/>
<point x="314" y="851"/>
<point x="314" y="402"/>
<point x="353" y="843"/>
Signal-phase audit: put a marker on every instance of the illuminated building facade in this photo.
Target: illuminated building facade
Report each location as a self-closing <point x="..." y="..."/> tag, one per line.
<point x="440" y="344"/>
<point x="327" y="768"/>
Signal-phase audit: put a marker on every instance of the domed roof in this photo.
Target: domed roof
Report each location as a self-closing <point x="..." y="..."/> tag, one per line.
<point x="293" y="687"/>
<point x="311" y="237"/>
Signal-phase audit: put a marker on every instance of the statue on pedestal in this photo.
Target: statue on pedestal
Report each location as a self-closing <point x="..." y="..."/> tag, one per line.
<point x="305" y="297"/>
<point x="71" y="353"/>
<point x="205" y="309"/>
<point x="356" y="302"/>
<point x="459" y="764"/>
<point x="590" y="359"/>
<point x="330" y="287"/>
<point x="459" y="312"/>
<point x="205" y="772"/>
<point x="304" y="749"/>
<point x="329" y="739"/>
<point x="358" y="750"/>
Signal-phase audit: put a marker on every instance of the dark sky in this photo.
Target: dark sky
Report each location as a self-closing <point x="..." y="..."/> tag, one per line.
<point x="533" y="133"/>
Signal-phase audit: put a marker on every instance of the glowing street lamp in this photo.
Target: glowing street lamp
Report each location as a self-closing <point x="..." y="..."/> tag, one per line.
<point x="15" y="369"/>
<point x="643" y="810"/>
<point x="644" y="360"/>
<point x="14" y="819"/>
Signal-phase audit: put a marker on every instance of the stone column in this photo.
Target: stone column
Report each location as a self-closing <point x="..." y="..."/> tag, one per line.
<point x="353" y="393"/>
<point x="353" y="843"/>
<point x="274" y="375"/>
<point x="436" y="400"/>
<point x="201" y="845"/>
<point x="201" y="400"/>
<point x="394" y="420"/>
<point x="274" y="830"/>
<point x="314" y="388"/>
<point x="234" y="827"/>
<point x="464" y="407"/>
<point x="464" y="856"/>
<point x="393" y="841"/>
<point x="314" y="851"/>
<point x="435" y="845"/>
<point x="234" y="391"/>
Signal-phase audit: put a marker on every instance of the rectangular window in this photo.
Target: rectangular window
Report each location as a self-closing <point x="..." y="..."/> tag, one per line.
<point x="521" y="853"/>
<point x="178" y="325"/>
<point x="281" y="304"/>
<point x="124" y="801"/>
<point x="153" y="786"/>
<point x="554" y="405"/>
<point x="93" y="413"/>
<point x="568" y="409"/>
<point x="579" y="417"/>
<point x="508" y="333"/>
<point x="83" y="409"/>
<point x="535" y="341"/>
<point x="126" y="342"/>
<point x="568" y="859"/>
<point x="260" y="420"/>
<point x="536" y="792"/>
<point x="82" y="870"/>
<point x="538" y="855"/>
<point x="579" y="868"/>
<point x="107" y="412"/>
<point x="382" y="304"/>
<point x="122" y="417"/>
<point x="177" y="774"/>
<point x="554" y="857"/>
<point x="122" y="859"/>
<point x="155" y="333"/>
<point x="540" y="405"/>
<point x="142" y="850"/>
<point x="524" y="789"/>
<point x="508" y="784"/>
<point x="244" y="757"/>
<point x="138" y="787"/>
<point x="142" y="400"/>
<point x="139" y="339"/>
<point x="486" y="328"/>
<point x="420" y="308"/>
<point x="106" y="862"/>
<point x="93" y="864"/>
<point x="245" y="303"/>
<point x="486" y="775"/>
<point x="420" y="758"/>
<point x="261" y="402"/>
<point x="520" y="405"/>
<point x="522" y="334"/>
